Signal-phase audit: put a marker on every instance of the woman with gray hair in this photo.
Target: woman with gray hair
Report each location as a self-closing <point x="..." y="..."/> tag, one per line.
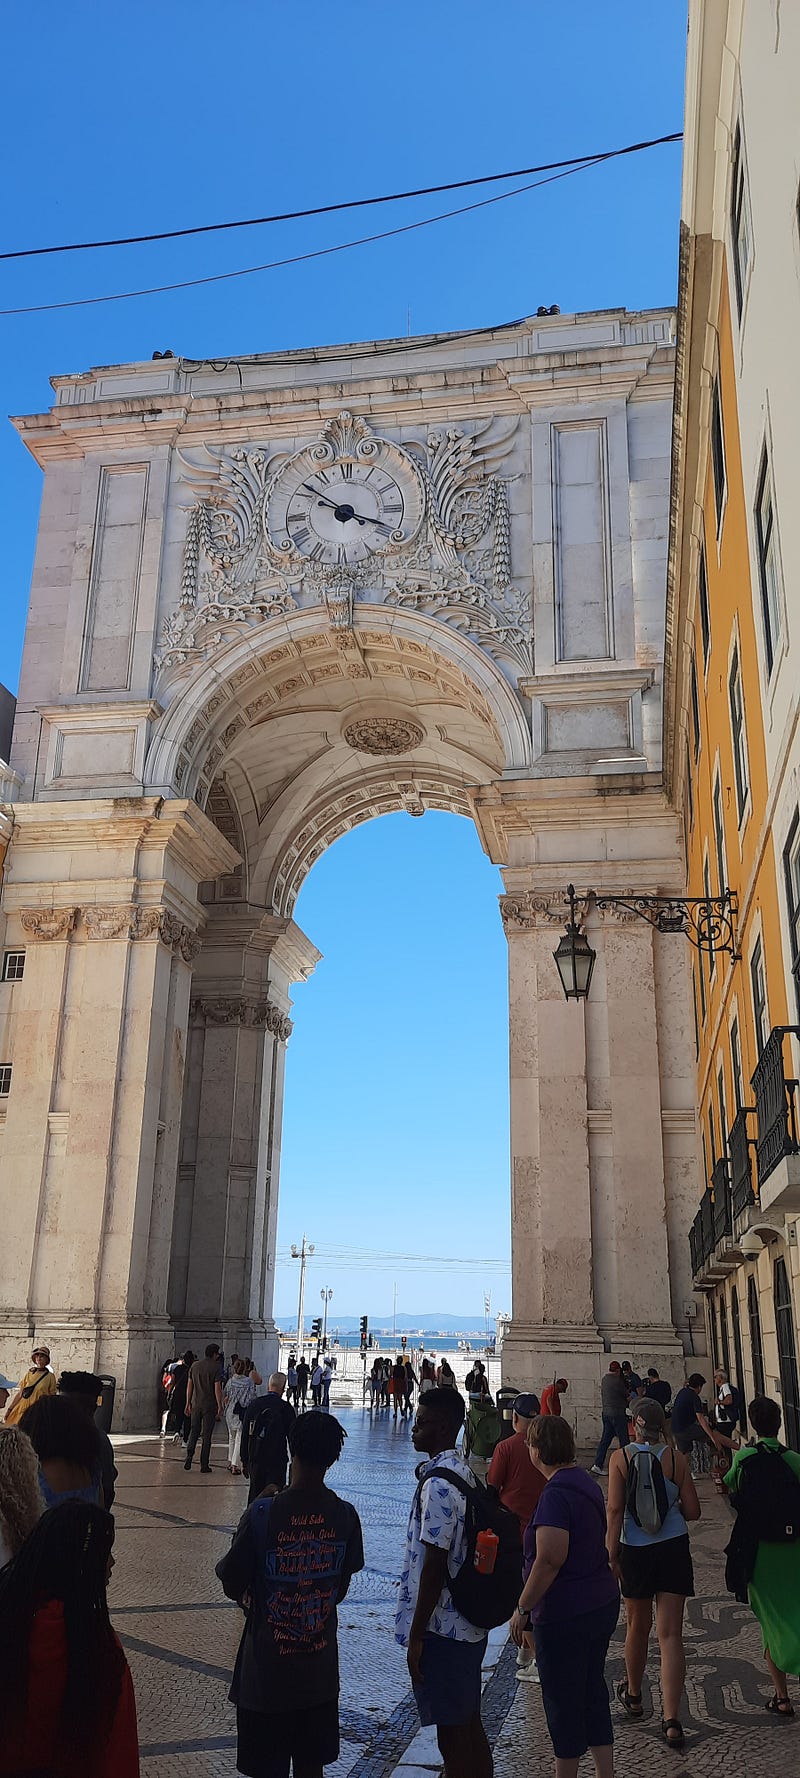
<point x="651" y="1497"/>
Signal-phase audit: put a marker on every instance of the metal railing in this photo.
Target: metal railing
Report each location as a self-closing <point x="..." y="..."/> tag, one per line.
<point x="701" y="1233"/>
<point x="775" y="1104"/>
<point x="741" y="1168"/>
<point x="720" y="1185"/>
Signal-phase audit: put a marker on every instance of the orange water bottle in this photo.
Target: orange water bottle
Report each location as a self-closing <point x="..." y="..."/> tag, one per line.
<point x="487" y="1544"/>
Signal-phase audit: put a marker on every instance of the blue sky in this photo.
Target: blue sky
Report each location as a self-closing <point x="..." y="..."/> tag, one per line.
<point x="149" y="117"/>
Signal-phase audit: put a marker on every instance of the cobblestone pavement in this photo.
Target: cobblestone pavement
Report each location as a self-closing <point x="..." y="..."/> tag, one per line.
<point x="181" y="1635"/>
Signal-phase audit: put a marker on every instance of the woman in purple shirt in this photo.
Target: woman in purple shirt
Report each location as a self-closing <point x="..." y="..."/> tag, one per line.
<point x="571" y="1599"/>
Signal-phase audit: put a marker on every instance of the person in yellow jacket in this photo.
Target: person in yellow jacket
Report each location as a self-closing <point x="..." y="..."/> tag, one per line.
<point x="36" y="1383"/>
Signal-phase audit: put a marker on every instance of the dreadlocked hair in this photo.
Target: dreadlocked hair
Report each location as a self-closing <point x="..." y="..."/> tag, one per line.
<point x="317" y="1439"/>
<point x="21" y="1503"/>
<point x="66" y="1558"/>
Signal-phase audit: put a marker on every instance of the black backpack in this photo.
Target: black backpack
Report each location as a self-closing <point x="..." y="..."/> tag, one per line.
<point x="767" y="1497"/>
<point x="485" y="1600"/>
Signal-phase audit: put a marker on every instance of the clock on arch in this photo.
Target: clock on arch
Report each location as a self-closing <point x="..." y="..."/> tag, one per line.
<point x="346" y="498"/>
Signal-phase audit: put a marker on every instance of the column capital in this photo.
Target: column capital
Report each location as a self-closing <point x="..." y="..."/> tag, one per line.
<point x="239" y="1009"/>
<point x="527" y="911"/>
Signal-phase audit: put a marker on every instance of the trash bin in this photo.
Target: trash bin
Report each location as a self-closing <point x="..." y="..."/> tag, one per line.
<point x="104" y="1412"/>
<point x="505" y="1399"/>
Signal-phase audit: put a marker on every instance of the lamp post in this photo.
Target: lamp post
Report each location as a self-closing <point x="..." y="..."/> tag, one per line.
<point x="302" y="1252"/>
<point x="326" y="1297"/>
<point x="574" y="956"/>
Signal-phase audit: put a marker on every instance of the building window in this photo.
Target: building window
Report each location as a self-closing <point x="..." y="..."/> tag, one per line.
<point x="696" y="1021"/>
<point x="695" y="700"/>
<point x="724" y="1341"/>
<point x="718" y="454"/>
<point x="712" y="1137"/>
<point x="689" y="789"/>
<point x="706" y="1171"/>
<point x="702" y="602"/>
<point x="791" y="872"/>
<point x="740" y="220"/>
<point x="736" y="1064"/>
<point x="722" y="1108"/>
<point x="13" y="966"/>
<point x="736" y="705"/>
<point x="5" y="1079"/>
<point x="768" y="572"/>
<point x="701" y="976"/>
<point x="756" y="1347"/>
<point x="758" y="983"/>
<point x="787" y="1356"/>
<point x="719" y="836"/>
<point x="738" y="1360"/>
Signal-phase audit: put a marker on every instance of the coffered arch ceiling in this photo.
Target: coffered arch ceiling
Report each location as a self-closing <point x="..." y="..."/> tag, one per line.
<point x="325" y="730"/>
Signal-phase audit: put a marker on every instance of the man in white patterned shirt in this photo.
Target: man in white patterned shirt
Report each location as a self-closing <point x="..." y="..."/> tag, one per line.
<point x="445" y="1650"/>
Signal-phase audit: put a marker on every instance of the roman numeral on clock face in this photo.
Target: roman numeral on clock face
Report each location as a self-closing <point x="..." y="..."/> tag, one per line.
<point x="392" y="508"/>
<point x="300" y="535"/>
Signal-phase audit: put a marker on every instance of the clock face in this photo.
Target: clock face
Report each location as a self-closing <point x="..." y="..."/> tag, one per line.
<point x="342" y="512"/>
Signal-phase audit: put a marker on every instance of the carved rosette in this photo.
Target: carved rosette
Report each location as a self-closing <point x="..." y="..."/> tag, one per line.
<point x="239" y="1010"/>
<point x="41" y="923"/>
<point x="383" y="735"/>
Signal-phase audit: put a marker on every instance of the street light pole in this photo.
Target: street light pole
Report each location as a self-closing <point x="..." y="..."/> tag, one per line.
<point x="302" y="1254"/>
<point x="326" y="1297"/>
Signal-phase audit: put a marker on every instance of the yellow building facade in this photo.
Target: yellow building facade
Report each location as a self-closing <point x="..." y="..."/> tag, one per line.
<point x="720" y="758"/>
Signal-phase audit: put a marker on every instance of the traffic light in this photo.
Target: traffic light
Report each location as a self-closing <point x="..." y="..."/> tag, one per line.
<point x="364" y="1326"/>
<point x="316" y="1328"/>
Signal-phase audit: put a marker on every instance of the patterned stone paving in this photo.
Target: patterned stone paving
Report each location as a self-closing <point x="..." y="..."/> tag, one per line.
<point x="181" y="1635"/>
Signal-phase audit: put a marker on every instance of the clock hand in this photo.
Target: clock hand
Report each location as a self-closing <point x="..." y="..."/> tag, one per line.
<point x="339" y="506"/>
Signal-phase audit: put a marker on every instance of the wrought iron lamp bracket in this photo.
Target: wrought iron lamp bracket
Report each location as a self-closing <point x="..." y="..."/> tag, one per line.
<point x="708" y="921"/>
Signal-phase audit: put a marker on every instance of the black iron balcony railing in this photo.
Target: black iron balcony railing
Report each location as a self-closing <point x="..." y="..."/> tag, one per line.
<point x="741" y="1169"/>
<point x="701" y="1234"/>
<point x="696" y="1247"/>
<point x="720" y="1185"/>
<point x="775" y="1104"/>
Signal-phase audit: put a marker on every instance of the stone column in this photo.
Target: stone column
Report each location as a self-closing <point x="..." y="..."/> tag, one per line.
<point x="553" y="1330"/>
<point x="222" y="1271"/>
<point x="98" y="1031"/>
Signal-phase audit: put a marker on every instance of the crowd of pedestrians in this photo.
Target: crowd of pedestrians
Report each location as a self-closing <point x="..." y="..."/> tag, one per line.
<point x="539" y="1547"/>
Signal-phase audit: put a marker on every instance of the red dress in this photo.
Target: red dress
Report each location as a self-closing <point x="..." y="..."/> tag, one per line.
<point x="34" y="1743"/>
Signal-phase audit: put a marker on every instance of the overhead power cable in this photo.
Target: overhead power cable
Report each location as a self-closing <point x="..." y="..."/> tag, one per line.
<point x="392" y="197"/>
<point x="323" y="252"/>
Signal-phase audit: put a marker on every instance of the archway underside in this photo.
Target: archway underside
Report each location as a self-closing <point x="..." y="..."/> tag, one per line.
<point x="325" y="731"/>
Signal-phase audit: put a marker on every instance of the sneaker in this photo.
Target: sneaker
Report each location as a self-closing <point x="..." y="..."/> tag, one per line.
<point x="596" y="1470"/>
<point x="203" y="1471"/>
<point x="188" y="1463"/>
<point x="529" y="1672"/>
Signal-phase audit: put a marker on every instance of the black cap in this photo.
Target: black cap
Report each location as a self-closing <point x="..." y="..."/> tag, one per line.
<point x="527" y="1406"/>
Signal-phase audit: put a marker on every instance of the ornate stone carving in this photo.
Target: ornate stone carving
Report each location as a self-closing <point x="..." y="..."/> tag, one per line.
<point x="456" y="562"/>
<point x="109" y="922"/>
<point x="383" y="735"/>
<point x="161" y="924"/>
<point x="525" y="911"/>
<point x="48" y="922"/>
<point x="239" y="1010"/>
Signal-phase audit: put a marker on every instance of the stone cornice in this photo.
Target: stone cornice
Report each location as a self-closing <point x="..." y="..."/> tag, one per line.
<point x="256" y="930"/>
<point x="149" y="822"/>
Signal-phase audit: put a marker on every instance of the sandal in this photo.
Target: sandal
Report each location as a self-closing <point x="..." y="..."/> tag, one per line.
<point x="631" y="1701"/>
<point x="672" y="1730"/>
<point x="780" y="1706"/>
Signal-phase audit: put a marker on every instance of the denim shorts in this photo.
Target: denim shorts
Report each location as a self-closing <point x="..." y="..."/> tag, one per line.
<point x="450" y="1693"/>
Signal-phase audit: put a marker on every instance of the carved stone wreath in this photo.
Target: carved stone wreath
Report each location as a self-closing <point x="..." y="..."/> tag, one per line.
<point x="382" y="735"/>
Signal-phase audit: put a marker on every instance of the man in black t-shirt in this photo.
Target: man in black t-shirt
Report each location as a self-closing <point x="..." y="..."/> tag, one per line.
<point x="657" y="1390"/>
<point x="266" y="1425"/>
<point x="292" y="1560"/>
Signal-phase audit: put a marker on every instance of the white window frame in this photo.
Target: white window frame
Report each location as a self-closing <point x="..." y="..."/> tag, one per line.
<point x="737" y="1070"/>
<point x="703" y="604"/>
<point x="708" y="893"/>
<point x="758" y="946"/>
<point x="740" y="221"/>
<point x="740" y="750"/>
<point x="718" y="825"/>
<point x="721" y="498"/>
<point x="10" y="957"/>
<point x="5" y="1079"/>
<point x="766" y="554"/>
<point x="722" y="1104"/>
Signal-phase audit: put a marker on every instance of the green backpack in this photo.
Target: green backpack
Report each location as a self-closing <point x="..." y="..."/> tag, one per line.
<point x="484" y="1428"/>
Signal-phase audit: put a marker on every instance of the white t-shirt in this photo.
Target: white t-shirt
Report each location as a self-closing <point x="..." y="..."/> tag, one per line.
<point x="438" y="1519"/>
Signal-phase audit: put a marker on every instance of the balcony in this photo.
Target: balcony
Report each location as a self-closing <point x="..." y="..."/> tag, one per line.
<point x="777" y="1144"/>
<point x="743" y="1197"/>
<point x="701" y="1241"/>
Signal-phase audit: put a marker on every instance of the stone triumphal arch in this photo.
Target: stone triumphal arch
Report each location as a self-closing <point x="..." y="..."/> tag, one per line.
<point x="273" y="598"/>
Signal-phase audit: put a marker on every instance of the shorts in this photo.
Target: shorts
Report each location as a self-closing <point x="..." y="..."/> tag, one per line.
<point x="571" y="1658"/>
<point x="651" y="1568"/>
<point x="450" y="1693"/>
<point x="268" y="1740"/>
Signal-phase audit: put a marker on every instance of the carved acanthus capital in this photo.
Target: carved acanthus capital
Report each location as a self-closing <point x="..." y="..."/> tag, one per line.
<point x="160" y="923"/>
<point x="237" y="1009"/>
<point x="109" y="922"/>
<point x="48" y="922"/>
<point x="526" y="912"/>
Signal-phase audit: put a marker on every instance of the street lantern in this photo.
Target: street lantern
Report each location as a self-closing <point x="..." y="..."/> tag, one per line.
<point x="574" y="957"/>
